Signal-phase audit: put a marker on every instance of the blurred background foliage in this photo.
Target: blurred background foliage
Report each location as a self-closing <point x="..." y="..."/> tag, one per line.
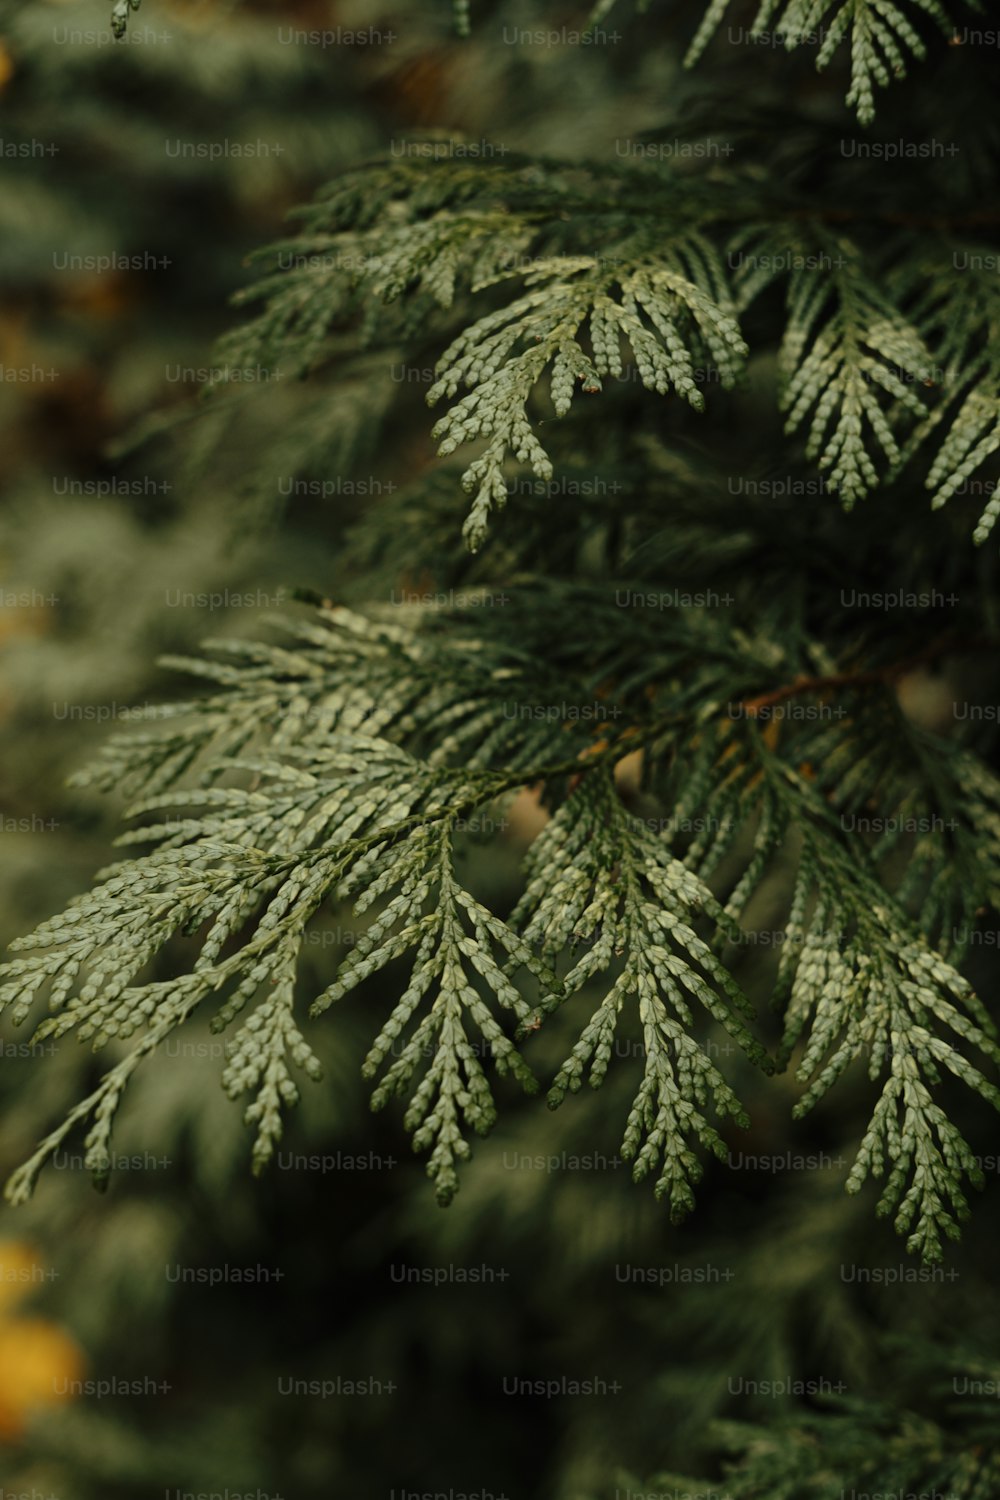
<point x="123" y="516"/>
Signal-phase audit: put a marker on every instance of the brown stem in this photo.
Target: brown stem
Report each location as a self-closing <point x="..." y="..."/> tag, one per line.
<point x="876" y="675"/>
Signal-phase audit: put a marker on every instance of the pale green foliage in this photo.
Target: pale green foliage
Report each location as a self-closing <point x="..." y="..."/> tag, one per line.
<point x="454" y="1088"/>
<point x="598" y="877"/>
<point x="957" y="305"/>
<point x="209" y="875"/>
<point x="882" y="35"/>
<point x="838" y="371"/>
<point x="120" y="14"/>
<point x="870" y="356"/>
<point x="856" y="984"/>
<point x="360" y="749"/>
<point x="846" y="349"/>
<point x="646" y="307"/>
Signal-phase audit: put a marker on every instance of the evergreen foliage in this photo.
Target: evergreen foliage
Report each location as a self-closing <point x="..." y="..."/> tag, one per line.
<point x="692" y="568"/>
<point x="364" y="744"/>
<point x="870" y="344"/>
<point x="946" y="1444"/>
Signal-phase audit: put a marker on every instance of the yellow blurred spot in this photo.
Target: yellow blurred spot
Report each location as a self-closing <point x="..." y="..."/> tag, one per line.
<point x="6" y="66"/>
<point x="39" y="1362"/>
